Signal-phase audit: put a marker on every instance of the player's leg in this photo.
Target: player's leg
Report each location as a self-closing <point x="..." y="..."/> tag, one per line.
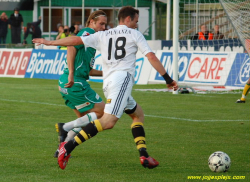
<point x="117" y="88"/>
<point x="244" y="92"/>
<point x="106" y="122"/>
<point x="86" y="103"/>
<point x="136" y="113"/>
<point x="72" y="133"/>
<point x="67" y="131"/>
<point x="97" y="110"/>
<point x="85" y="117"/>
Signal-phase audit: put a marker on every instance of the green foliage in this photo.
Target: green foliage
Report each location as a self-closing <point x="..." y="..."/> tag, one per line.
<point x="181" y="132"/>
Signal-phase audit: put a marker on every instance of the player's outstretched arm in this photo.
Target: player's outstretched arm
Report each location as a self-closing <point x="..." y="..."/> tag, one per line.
<point x="154" y="61"/>
<point x="68" y="41"/>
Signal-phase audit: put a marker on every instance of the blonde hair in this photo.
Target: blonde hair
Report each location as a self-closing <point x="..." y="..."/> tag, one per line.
<point x="94" y="16"/>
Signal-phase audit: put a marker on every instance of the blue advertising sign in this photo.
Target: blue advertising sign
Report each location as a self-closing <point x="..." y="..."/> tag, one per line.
<point x="167" y="61"/>
<point x="47" y="64"/>
<point x="240" y="71"/>
<point x="138" y="68"/>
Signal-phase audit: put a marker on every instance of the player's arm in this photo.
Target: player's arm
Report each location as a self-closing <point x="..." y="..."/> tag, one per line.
<point x="68" y="41"/>
<point x="154" y="61"/>
<point x="71" y="53"/>
<point x="94" y="72"/>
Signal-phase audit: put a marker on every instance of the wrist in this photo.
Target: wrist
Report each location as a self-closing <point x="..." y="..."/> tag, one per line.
<point x="167" y="78"/>
<point x="50" y="43"/>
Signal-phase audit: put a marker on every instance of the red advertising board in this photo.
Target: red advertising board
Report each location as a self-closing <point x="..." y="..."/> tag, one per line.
<point x="24" y="61"/>
<point x="4" y="61"/>
<point x="14" y="62"/>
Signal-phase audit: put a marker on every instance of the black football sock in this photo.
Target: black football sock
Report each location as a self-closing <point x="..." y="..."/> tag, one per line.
<point x="86" y="133"/>
<point x="70" y="145"/>
<point x="89" y="131"/>
<point x="139" y="138"/>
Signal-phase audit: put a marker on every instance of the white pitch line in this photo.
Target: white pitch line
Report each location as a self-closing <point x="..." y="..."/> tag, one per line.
<point x="194" y="120"/>
<point x="32" y="102"/>
<point x="153" y="116"/>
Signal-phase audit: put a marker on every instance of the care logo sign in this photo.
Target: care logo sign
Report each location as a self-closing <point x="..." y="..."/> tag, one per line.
<point x="209" y="68"/>
<point x="197" y="67"/>
<point x="48" y="64"/>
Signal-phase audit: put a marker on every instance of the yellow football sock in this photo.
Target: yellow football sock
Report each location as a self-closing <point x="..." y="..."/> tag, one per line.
<point x="245" y="92"/>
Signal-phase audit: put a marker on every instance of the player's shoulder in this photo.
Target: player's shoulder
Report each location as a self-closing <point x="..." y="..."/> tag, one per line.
<point x="126" y="31"/>
<point x="86" y="31"/>
<point x="134" y="32"/>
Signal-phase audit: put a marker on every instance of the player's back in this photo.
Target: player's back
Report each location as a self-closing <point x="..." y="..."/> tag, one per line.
<point x="118" y="47"/>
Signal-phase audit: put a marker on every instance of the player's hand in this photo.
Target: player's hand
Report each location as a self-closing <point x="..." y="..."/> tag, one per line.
<point x="173" y="85"/>
<point x="70" y="81"/>
<point x="40" y="41"/>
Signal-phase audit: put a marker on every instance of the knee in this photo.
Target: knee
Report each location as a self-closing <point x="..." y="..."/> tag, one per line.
<point x="107" y="123"/>
<point x="100" y="110"/>
<point x="99" y="114"/>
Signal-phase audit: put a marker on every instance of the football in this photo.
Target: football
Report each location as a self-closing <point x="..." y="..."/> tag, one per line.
<point x="219" y="162"/>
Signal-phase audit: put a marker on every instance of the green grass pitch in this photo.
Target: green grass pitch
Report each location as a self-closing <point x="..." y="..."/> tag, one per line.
<point x="181" y="132"/>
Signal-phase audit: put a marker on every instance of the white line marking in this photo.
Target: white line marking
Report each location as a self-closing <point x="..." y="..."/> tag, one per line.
<point x="32" y="102"/>
<point x="194" y="120"/>
<point x="153" y="116"/>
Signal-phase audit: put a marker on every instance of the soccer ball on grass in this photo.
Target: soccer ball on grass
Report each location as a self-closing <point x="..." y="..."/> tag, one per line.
<point x="219" y="162"/>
